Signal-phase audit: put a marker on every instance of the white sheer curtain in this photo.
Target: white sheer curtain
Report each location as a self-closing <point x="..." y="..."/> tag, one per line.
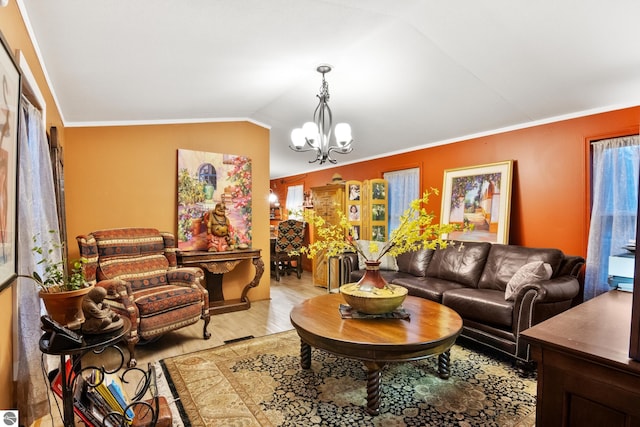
<point x="404" y="187"/>
<point x="37" y="213"/>
<point x="615" y="173"/>
<point x="295" y="199"/>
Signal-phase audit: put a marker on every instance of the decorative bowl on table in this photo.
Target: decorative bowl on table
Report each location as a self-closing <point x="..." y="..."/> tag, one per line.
<point x="373" y="301"/>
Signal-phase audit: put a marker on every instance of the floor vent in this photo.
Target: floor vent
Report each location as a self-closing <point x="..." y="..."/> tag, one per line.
<point x="248" y="337"/>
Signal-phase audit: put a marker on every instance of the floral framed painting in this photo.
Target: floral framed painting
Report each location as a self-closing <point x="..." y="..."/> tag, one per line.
<point x="479" y="196"/>
<point x="206" y="182"/>
<point x="9" y="107"/>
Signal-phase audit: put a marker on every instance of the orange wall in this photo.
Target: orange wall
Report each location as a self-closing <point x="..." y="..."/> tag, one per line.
<point x="550" y="200"/>
<point x="126" y="176"/>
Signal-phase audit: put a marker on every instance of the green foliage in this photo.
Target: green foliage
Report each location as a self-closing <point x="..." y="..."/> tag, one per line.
<point x="464" y="185"/>
<point x="55" y="278"/>
<point x="190" y="189"/>
<point x="416" y="230"/>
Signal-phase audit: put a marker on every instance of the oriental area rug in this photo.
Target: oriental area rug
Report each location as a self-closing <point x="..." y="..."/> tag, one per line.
<point x="259" y="382"/>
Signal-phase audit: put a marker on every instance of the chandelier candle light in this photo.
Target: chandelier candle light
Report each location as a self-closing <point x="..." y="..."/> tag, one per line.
<point x="316" y="135"/>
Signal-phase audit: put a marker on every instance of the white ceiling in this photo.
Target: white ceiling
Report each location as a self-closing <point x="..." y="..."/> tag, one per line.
<point x="407" y="73"/>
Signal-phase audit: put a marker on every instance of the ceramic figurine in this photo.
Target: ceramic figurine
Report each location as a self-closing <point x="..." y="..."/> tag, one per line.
<point x="219" y="229"/>
<point x="99" y="318"/>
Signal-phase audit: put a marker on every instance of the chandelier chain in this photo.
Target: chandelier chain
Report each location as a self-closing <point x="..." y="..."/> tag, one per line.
<point x="324" y="90"/>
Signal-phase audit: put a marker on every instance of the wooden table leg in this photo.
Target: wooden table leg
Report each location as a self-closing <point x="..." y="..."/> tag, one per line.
<point x="305" y="355"/>
<point x="374" y="375"/>
<point x="443" y="365"/>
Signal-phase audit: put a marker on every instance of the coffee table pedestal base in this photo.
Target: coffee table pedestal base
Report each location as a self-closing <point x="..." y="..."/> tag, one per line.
<point x="374" y="374"/>
<point x="305" y="355"/>
<point x="374" y="377"/>
<point x="444" y="369"/>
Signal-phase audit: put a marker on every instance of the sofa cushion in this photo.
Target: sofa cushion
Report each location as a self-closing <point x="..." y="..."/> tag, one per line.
<point x="430" y="288"/>
<point x="151" y="301"/>
<point x="529" y="273"/>
<point x="483" y="305"/>
<point x="505" y="260"/>
<point x="415" y="262"/>
<point x="387" y="262"/>
<point x="121" y="242"/>
<point x="459" y="262"/>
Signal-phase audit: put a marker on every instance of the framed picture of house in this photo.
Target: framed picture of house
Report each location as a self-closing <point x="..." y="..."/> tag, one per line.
<point x="478" y="196"/>
<point x="9" y="105"/>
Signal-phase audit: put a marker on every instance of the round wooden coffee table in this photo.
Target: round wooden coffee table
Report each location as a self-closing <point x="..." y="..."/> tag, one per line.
<point x="431" y="330"/>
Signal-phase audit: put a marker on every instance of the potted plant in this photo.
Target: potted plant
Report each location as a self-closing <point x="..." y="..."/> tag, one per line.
<point x="61" y="287"/>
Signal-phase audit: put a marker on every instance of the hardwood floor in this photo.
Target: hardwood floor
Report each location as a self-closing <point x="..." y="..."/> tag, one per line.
<point x="263" y="318"/>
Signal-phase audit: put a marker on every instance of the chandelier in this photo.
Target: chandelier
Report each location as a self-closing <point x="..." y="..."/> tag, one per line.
<point x="316" y="135"/>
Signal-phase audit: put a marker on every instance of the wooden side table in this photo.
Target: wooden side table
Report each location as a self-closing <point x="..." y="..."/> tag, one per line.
<point x="585" y="375"/>
<point x="215" y="265"/>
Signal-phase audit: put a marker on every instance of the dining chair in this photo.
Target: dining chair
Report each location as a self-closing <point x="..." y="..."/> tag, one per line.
<point x="290" y="238"/>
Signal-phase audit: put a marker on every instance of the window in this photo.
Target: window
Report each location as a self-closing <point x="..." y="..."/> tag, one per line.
<point x="404" y="187"/>
<point x="207" y="174"/>
<point x="614" y="206"/>
<point x="295" y="200"/>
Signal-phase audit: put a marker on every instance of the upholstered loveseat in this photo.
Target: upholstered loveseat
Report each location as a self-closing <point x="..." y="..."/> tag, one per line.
<point x="472" y="278"/>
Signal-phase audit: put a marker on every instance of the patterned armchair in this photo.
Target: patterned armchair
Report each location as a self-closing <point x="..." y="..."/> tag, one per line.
<point x="290" y="238"/>
<point x="138" y="268"/>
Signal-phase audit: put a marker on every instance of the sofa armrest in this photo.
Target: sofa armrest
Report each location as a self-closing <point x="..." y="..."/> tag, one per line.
<point x="563" y="288"/>
<point x="185" y="276"/>
<point x="120" y="299"/>
<point x="190" y="277"/>
<point x="571" y="266"/>
<point x="116" y="288"/>
<point x="348" y="263"/>
<point x="539" y="301"/>
<point x="574" y="266"/>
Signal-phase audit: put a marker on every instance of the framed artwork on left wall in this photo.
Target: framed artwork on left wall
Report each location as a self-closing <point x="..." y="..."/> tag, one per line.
<point x="9" y="108"/>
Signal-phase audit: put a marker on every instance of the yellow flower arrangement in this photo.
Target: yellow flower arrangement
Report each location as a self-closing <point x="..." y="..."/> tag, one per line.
<point x="416" y="231"/>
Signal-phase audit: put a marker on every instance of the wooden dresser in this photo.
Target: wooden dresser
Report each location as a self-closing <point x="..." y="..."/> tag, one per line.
<point x="585" y="375"/>
<point x="328" y="201"/>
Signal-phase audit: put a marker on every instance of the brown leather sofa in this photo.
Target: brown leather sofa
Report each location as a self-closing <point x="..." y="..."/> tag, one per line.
<point x="471" y="278"/>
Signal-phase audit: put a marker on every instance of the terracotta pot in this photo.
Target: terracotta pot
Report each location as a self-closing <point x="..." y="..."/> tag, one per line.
<point x="372" y="294"/>
<point x="65" y="307"/>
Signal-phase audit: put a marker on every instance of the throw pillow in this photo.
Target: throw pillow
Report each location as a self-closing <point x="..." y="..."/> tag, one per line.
<point x="387" y="262"/>
<point x="529" y="273"/>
